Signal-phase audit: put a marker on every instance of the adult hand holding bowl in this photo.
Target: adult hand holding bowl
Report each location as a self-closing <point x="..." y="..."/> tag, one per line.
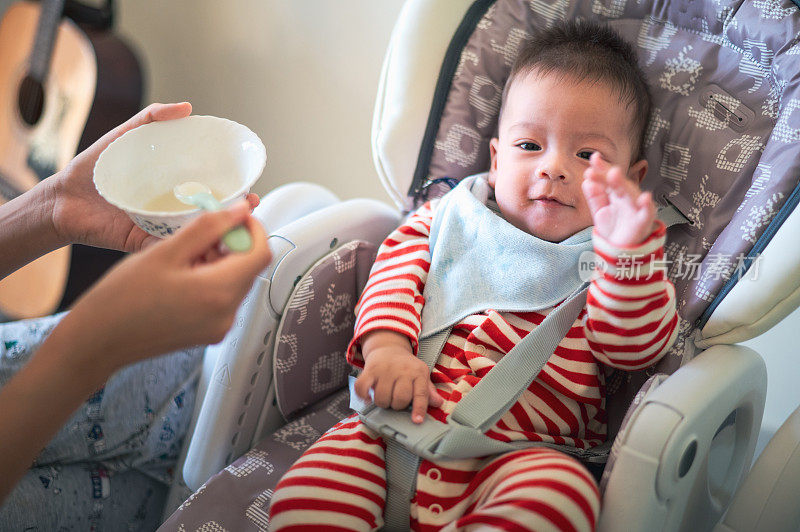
<point x="139" y="170"/>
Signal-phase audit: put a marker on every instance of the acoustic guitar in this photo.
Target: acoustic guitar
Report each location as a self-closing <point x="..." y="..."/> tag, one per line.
<point x="58" y="92"/>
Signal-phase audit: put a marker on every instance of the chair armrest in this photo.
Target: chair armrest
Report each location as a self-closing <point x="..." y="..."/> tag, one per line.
<point x="298" y="245"/>
<point x="688" y="444"/>
<point x="281" y="206"/>
<point x="288" y="203"/>
<point x="767" y="499"/>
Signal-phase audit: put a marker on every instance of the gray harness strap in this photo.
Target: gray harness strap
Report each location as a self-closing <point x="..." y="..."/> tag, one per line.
<point x="463" y="434"/>
<point x="401" y="463"/>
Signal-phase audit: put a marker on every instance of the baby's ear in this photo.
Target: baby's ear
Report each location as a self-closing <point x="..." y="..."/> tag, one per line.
<point x="637" y="171"/>
<point x="493" y="165"/>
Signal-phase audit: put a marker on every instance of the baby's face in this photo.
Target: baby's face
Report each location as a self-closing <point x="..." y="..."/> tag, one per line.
<point x="549" y="129"/>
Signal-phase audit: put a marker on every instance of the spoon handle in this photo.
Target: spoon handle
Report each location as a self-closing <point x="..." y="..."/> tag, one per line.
<point x="206" y="202"/>
<point x="237" y="239"/>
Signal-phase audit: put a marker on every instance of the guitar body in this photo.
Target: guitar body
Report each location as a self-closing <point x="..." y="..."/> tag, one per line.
<point x="93" y="83"/>
<point x="29" y="153"/>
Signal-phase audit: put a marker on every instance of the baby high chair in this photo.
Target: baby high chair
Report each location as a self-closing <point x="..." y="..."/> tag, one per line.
<point x="724" y="150"/>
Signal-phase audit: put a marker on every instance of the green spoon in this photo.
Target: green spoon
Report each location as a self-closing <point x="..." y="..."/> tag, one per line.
<point x="199" y="195"/>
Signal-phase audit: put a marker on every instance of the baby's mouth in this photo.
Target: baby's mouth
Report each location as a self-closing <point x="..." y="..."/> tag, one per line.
<point x="550" y="201"/>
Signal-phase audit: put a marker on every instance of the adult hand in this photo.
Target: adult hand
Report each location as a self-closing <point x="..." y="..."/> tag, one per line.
<point x="396" y="376"/>
<point x="81" y="215"/>
<point x="621" y="212"/>
<point x="174" y="294"/>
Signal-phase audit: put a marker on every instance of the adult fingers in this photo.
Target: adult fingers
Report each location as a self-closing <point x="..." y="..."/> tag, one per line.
<point x="253" y="201"/>
<point x="245" y="265"/>
<point x="201" y="234"/>
<point x="419" y="404"/>
<point x="214" y="253"/>
<point x="138" y="240"/>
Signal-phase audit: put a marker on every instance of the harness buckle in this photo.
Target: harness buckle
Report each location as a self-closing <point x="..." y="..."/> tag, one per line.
<point x="421" y="439"/>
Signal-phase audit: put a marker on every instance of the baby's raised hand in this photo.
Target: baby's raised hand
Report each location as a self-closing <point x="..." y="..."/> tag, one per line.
<point x="622" y="213"/>
<point x="396" y="377"/>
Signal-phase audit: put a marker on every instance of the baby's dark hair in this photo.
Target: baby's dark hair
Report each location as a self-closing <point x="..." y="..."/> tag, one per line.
<point x="587" y="51"/>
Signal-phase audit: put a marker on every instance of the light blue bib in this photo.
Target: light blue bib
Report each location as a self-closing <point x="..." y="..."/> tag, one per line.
<point x="480" y="261"/>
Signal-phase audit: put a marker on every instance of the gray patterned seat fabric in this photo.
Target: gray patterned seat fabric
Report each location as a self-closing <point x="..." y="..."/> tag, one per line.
<point x="309" y="361"/>
<point x="723" y="146"/>
<point x="237" y="498"/>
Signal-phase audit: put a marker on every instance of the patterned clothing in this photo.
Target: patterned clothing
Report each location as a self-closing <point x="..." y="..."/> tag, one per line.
<point x="629" y="322"/>
<point x="110" y="466"/>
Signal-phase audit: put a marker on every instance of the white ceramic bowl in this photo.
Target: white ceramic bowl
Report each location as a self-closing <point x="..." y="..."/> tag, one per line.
<point x="147" y="162"/>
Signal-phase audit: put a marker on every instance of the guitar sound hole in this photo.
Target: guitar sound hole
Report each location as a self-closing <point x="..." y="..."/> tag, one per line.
<point x="31" y="100"/>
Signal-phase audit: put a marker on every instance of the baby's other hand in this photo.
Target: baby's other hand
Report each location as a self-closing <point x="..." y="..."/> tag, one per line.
<point x="622" y="213"/>
<point x="396" y="376"/>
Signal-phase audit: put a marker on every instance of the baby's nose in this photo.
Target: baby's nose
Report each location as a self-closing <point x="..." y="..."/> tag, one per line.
<point x="551" y="171"/>
<point x="552" y="165"/>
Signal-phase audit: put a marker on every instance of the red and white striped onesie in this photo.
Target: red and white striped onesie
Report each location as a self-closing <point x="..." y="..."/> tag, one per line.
<point x="628" y="323"/>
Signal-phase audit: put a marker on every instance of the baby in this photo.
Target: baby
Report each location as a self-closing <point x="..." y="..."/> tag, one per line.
<point x="564" y="175"/>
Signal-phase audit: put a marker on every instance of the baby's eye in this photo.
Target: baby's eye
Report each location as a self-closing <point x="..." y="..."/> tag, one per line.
<point x="585" y="154"/>
<point x="529" y="146"/>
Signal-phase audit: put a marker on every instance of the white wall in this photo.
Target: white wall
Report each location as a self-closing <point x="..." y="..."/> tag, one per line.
<point x="302" y="74"/>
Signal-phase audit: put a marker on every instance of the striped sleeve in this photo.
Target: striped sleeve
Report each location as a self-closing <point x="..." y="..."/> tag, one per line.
<point x="631" y="321"/>
<point x="392" y="298"/>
